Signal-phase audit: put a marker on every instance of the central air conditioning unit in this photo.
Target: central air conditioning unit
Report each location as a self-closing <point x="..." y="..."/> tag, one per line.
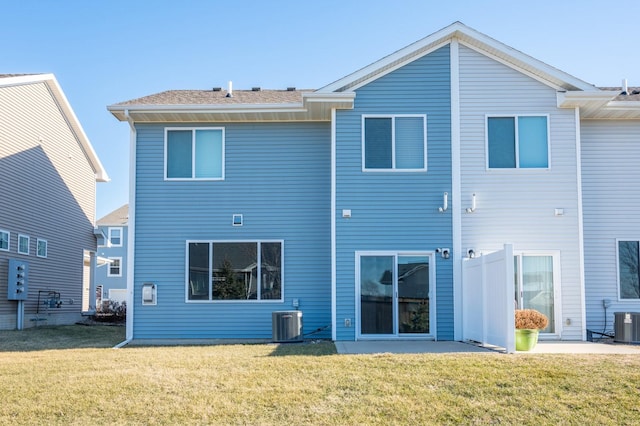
<point x="627" y="327"/>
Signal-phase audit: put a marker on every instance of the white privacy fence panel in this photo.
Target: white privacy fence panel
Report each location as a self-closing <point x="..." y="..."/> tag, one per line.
<point x="488" y="295"/>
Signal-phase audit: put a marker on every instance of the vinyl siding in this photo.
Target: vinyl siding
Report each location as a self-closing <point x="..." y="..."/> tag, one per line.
<point x="518" y="205"/>
<point x="610" y="175"/>
<point x="278" y="176"/>
<point x="49" y="191"/>
<point x="395" y="210"/>
<point x="102" y="277"/>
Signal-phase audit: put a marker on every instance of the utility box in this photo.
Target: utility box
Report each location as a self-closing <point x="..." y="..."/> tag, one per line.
<point x="627" y="327"/>
<point x="287" y="326"/>
<point x="18" y="280"/>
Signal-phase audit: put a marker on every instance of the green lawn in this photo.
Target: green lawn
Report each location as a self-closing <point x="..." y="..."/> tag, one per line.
<point x="53" y="382"/>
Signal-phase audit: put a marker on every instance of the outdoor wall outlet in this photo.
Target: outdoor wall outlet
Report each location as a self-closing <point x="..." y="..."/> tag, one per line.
<point x="295" y="303"/>
<point x="347" y="322"/>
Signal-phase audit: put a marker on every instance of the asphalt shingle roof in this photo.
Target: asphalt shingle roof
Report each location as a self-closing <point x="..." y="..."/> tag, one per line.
<point x="211" y="97"/>
<point x="119" y="216"/>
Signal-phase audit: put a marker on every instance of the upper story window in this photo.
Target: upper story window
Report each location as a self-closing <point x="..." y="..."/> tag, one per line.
<point x="41" y="248"/>
<point x="394" y="142"/>
<point x="23" y="244"/>
<point x="194" y="153"/>
<point x="629" y="270"/>
<point x="518" y="142"/>
<point x="4" y="240"/>
<point x="115" y="237"/>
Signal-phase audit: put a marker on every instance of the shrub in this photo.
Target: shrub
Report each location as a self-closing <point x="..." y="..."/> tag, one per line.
<point x="530" y="319"/>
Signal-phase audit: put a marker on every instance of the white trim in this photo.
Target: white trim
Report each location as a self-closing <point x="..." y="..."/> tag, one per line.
<point x="20" y="236"/>
<point x="3" y="231"/>
<point x="583" y="308"/>
<point x="393" y="117"/>
<point x="395" y="254"/>
<point x="193" y="153"/>
<point x="517" y="142"/>
<point x="46" y="248"/>
<point x="456" y="189"/>
<point x="131" y="230"/>
<point x="557" y="286"/>
<point x="210" y="274"/>
<point x="334" y="283"/>
<point x="109" y="233"/>
<point x="113" y="259"/>
<point x="617" y="248"/>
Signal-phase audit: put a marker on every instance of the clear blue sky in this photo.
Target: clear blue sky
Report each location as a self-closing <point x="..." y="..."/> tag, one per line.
<point x="104" y="52"/>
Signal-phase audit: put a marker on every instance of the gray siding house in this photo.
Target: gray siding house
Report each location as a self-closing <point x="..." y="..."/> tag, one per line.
<point x="48" y="175"/>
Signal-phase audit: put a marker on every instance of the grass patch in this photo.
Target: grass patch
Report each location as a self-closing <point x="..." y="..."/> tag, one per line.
<point x="311" y="384"/>
<point x="61" y="337"/>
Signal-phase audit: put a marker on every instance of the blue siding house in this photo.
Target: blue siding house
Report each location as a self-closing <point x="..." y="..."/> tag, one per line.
<point x="360" y="202"/>
<point x="111" y="273"/>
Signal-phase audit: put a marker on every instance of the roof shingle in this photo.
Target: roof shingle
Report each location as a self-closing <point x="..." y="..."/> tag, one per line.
<point x="211" y="97"/>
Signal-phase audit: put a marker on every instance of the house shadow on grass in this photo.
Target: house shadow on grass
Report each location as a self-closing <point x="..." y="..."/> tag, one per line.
<point x="60" y="337"/>
<point x="305" y="348"/>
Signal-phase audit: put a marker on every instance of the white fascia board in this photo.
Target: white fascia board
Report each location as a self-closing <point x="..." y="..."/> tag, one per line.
<point x="469" y="37"/>
<point x="66" y="110"/>
<point x="576" y="99"/>
<point x="624" y="105"/>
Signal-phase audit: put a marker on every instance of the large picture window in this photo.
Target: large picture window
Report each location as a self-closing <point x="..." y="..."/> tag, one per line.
<point x="518" y="142"/>
<point x="629" y="269"/>
<point x="194" y="153"/>
<point x="396" y="142"/>
<point x="234" y="270"/>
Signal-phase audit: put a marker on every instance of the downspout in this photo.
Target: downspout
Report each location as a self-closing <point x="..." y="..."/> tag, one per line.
<point x="131" y="232"/>
<point x="583" y="317"/>
<point x="333" y="226"/>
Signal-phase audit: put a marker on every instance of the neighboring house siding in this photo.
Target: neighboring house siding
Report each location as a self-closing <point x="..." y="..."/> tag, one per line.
<point x="610" y="176"/>
<point x="518" y="205"/>
<point x="48" y="188"/>
<point x="398" y="210"/>
<point x="102" y="272"/>
<point x="277" y="175"/>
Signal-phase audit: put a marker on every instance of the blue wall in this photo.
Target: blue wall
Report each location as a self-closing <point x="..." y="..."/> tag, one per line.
<point x="278" y="176"/>
<point x="396" y="210"/>
<point x="101" y="277"/>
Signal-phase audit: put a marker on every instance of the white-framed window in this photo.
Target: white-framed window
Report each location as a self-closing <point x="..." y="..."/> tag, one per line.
<point x="517" y="141"/>
<point x="628" y="260"/>
<point x="115" y="267"/>
<point x="394" y="142"/>
<point x="234" y="271"/>
<point x="41" y="248"/>
<point x="537" y="285"/>
<point x="23" y="244"/>
<point x="194" y="153"/>
<point x="115" y="237"/>
<point x="5" y="240"/>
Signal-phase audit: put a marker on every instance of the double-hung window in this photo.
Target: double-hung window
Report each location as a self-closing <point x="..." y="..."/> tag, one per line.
<point x="629" y="269"/>
<point x="194" y="154"/>
<point x="23" y="244"/>
<point x="115" y="237"/>
<point x="115" y="267"/>
<point x="518" y="142"/>
<point x="41" y="248"/>
<point x="234" y="270"/>
<point x="394" y="142"/>
<point x="4" y="240"/>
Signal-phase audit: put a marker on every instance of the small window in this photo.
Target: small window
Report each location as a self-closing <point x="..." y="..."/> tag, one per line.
<point x="115" y="267"/>
<point x="115" y="237"/>
<point x="234" y="271"/>
<point x="194" y="154"/>
<point x="518" y="142"/>
<point x="4" y="240"/>
<point x="23" y="244"/>
<point x="41" y="248"/>
<point x="629" y="270"/>
<point x="394" y="143"/>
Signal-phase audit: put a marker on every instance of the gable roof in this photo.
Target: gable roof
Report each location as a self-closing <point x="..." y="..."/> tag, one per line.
<point x="118" y="217"/>
<point x="470" y="38"/>
<point x="60" y="99"/>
